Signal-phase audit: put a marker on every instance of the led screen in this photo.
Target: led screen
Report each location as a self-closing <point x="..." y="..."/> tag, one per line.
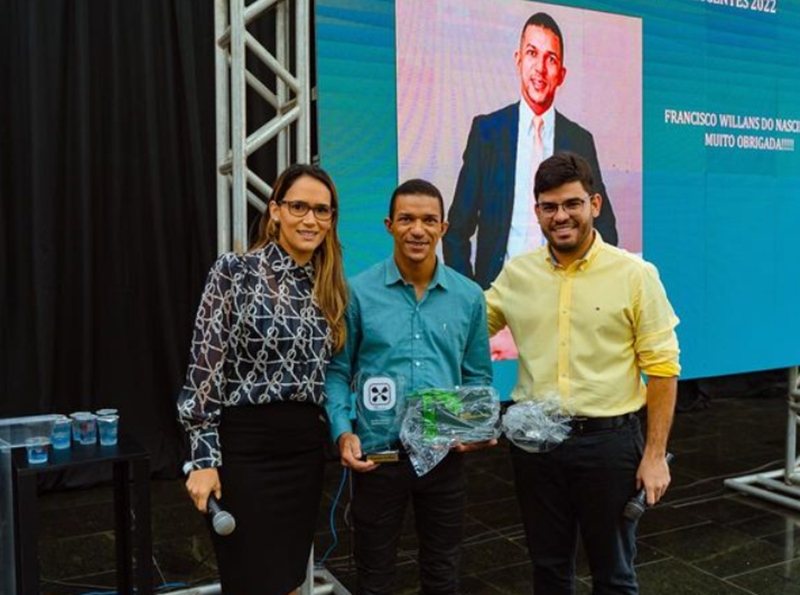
<point x="693" y="108"/>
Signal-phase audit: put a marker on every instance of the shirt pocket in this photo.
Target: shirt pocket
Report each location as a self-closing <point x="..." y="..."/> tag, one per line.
<point x="446" y="333"/>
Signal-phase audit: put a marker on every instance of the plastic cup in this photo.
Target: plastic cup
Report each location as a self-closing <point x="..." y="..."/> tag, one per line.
<point x="60" y="436"/>
<point x="108" y="411"/>
<point x="108" y="427"/>
<point x="76" y="426"/>
<point x="84" y="427"/>
<point x="37" y="449"/>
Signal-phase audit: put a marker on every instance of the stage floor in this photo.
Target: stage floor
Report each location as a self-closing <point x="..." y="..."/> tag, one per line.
<point x="704" y="539"/>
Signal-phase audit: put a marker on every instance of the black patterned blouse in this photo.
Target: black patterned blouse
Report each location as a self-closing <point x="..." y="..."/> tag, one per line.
<point x="259" y="337"/>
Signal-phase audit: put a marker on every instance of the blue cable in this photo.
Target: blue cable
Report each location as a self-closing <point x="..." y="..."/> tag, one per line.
<point x="171" y="586"/>
<point x="332" y="522"/>
<point x="159" y="588"/>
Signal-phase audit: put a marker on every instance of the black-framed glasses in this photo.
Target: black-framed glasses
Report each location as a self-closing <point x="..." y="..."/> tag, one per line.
<point x="299" y="208"/>
<point x="571" y="206"/>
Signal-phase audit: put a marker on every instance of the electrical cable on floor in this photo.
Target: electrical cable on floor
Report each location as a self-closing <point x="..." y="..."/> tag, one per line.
<point x="158" y="569"/>
<point x="332" y="520"/>
<point x="689" y="500"/>
<point x="60" y="583"/>
<point x="103" y="589"/>
<point x="726" y="476"/>
<point x="100" y="590"/>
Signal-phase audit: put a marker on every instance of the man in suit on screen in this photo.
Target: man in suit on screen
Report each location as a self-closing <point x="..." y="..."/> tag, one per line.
<point x="494" y="192"/>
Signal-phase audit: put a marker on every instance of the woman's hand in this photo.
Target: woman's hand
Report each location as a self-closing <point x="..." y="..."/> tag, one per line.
<point x="200" y="484"/>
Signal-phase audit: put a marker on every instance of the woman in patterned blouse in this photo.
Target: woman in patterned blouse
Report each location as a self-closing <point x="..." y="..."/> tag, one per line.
<point x="252" y="404"/>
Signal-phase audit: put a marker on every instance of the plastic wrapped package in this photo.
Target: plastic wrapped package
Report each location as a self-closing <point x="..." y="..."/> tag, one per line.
<point x="537" y="426"/>
<point x="437" y="419"/>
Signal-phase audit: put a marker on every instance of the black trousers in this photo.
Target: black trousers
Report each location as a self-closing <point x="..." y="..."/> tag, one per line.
<point x="582" y="485"/>
<point x="379" y="503"/>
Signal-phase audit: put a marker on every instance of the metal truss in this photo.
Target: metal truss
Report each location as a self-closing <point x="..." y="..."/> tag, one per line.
<point x="781" y="486"/>
<point x="288" y="131"/>
<point x="318" y="582"/>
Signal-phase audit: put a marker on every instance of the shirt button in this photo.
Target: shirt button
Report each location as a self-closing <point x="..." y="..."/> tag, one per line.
<point x="416" y="336"/>
<point x="417" y="364"/>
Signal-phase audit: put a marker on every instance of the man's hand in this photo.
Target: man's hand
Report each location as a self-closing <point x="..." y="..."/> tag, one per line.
<point x="653" y="475"/>
<point x="653" y="472"/>
<point x="200" y="484"/>
<point x="471" y="446"/>
<point x="350" y="451"/>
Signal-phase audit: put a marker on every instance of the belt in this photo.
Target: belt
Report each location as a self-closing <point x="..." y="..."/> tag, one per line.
<point x="586" y="425"/>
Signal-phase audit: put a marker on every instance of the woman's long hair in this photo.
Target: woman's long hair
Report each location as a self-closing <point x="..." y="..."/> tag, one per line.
<point x="330" y="289"/>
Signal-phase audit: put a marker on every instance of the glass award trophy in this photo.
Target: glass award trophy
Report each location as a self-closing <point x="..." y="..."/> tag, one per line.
<point x="379" y="407"/>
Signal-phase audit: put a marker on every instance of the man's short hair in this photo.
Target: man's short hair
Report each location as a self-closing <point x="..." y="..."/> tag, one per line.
<point x="562" y="168"/>
<point x="545" y="21"/>
<point x="416" y="186"/>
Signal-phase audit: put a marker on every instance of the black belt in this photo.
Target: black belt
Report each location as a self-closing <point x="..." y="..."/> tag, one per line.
<point x="586" y="425"/>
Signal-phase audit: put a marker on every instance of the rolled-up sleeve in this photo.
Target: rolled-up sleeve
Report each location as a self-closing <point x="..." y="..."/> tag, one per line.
<point x="656" y="343"/>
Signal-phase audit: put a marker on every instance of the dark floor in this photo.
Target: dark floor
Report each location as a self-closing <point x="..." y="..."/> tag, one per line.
<point x="704" y="539"/>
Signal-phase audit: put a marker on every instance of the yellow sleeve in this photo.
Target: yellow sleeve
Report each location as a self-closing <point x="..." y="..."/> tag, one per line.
<point x="656" y="342"/>
<point x="494" y="299"/>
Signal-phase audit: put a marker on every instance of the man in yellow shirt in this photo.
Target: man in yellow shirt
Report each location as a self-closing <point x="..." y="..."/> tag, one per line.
<point x="589" y="319"/>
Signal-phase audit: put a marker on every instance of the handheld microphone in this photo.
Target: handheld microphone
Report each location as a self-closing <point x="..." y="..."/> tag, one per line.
<point x="222" y="521"/>
<point x="636" y="506"/>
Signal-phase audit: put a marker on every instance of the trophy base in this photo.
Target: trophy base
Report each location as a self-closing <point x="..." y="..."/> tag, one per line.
<point x="384" y="456"/>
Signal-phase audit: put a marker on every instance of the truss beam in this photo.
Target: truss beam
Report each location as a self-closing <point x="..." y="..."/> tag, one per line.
<point x="286" y="134"/>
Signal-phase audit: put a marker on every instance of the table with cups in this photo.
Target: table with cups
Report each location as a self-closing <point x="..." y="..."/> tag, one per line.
<point x="62" y="442"/>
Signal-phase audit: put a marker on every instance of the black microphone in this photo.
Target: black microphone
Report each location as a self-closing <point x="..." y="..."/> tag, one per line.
<point x="636" y="506"/>
<point x="222" y="521"/>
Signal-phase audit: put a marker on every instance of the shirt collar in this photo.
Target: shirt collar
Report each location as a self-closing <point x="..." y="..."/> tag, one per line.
<point x="526" y="117"/>
<point x="585" y="260"/>
<point x="282" y="263"/>
<point x="392" y="274"/>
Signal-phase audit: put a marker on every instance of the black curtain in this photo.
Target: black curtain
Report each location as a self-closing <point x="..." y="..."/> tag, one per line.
<point x="107" y="207"/>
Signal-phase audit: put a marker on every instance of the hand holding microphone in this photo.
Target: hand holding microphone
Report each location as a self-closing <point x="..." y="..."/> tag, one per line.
<point x="636" y="506"/>
<point x="207" y="480"/>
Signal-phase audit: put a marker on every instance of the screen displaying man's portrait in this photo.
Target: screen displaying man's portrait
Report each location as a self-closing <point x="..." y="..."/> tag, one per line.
<point x="487" y="90"/>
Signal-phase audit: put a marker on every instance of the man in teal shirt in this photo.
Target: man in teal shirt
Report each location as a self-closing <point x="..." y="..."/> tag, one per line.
<point x="412" y="318"/>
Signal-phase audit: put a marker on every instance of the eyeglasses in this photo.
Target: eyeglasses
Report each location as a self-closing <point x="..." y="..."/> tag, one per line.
<point x="299" y="208"/>
<point x="571" y="206"/>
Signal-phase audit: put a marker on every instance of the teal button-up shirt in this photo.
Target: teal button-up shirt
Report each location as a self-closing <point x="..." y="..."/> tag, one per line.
<point x="440" y="341"/>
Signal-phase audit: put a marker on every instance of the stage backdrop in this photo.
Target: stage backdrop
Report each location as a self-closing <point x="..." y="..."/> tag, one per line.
<point x="695" y="111"/>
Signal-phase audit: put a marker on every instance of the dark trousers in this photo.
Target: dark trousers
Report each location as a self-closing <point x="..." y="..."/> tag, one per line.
<point x="379" y="503"/>
<point x="581" y="486"/>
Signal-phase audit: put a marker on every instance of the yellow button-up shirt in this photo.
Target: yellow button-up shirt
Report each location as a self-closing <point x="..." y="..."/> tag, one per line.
<point x="586" y="332"/>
